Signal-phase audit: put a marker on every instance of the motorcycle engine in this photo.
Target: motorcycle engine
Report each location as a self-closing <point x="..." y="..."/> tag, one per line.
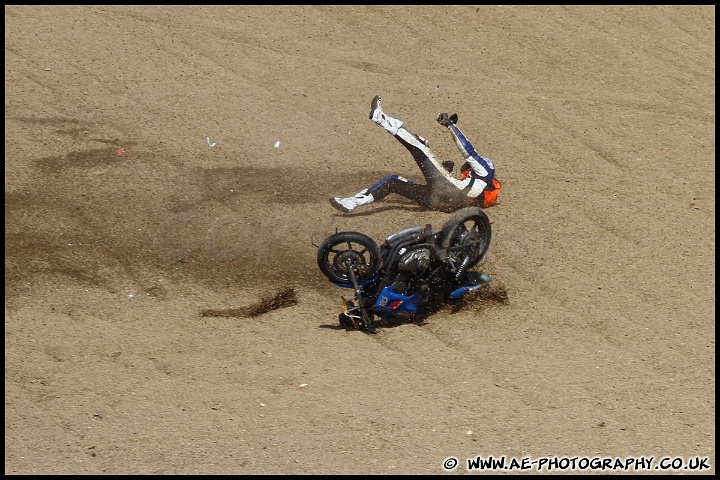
<point x="415" y="261"/>
<point x="411" y="265"/>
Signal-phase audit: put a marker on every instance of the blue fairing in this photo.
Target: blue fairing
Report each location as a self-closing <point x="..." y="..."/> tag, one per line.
<point x="482" y="281"/>
<point x="392" y="304"/>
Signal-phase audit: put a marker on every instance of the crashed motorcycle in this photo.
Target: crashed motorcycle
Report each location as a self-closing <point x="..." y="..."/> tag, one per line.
<point x="393" y="280"/>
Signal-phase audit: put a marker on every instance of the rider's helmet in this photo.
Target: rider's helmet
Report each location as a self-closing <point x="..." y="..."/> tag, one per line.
<point x="489" y="196"/>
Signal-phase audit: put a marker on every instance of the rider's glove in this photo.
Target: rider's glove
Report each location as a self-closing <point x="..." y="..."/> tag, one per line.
<point x="446" y="120"/>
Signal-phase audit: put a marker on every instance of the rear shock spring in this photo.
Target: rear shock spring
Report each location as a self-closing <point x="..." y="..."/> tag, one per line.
<point x="461" y="269"/>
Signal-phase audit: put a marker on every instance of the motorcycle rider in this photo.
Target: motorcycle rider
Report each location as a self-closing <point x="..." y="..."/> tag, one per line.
<point x="477" y="185"/>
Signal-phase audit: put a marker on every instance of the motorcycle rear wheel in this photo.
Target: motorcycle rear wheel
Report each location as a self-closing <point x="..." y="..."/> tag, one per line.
<point x="467" y="233"/>
<point x="360" y="250"/>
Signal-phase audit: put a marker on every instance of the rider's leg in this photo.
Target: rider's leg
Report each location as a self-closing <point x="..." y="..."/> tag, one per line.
<point x="391" y="184"/>
<point x="394" y="183"/>
<point x="431" y="168"/>
<point x="378" y="116"/>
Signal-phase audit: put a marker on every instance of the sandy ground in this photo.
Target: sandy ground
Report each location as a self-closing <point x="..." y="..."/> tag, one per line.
<point x="123" y="224"/>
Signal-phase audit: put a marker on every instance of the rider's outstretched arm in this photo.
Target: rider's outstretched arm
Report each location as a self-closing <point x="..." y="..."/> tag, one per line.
<point x="463" y="144"/>
<point x="468" y="152"/>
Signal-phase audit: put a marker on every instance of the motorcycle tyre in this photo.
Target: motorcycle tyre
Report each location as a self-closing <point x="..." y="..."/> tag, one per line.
<point x="461" y="216"/>
<point x="329" y="270"/>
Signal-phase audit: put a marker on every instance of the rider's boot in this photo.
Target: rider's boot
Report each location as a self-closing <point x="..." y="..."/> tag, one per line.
<point x="348" y="204"/>
<point x="387" y="122"/>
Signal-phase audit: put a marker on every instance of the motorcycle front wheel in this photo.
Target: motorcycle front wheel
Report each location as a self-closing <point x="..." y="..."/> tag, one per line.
<point x="467" y="234"/>
<point x="346" y="250"/>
